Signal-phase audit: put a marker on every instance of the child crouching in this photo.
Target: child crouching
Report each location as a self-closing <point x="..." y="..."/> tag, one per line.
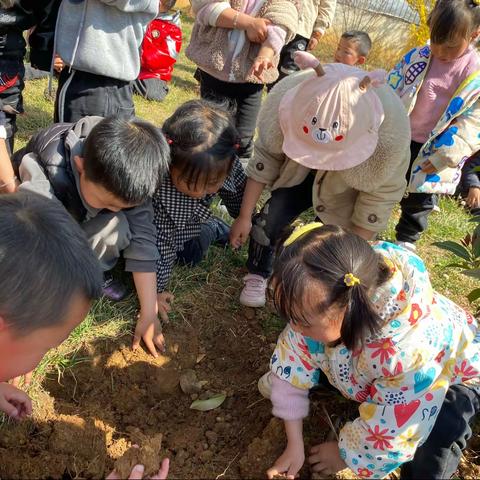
<point x="367" y="317"/>
<point x="204" y="162"/>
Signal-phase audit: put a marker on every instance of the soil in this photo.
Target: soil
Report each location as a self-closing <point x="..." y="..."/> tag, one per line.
<point x="117" y="398"/>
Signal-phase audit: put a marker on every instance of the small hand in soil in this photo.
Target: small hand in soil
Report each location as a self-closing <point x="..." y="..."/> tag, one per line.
<point x="14" y="402"/>
<point x="149" y="330"/>
<point x="289" y="463"/>
<point x="139" y="470"/>
<point x="145" y="454"/>
<point x="325" y="459"/>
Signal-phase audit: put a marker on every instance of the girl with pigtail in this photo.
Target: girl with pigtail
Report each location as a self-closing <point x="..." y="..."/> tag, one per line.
<point x="363" y="317"/>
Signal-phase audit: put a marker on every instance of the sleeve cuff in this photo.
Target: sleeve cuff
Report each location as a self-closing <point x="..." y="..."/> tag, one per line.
<point x="132" y="265"/>
<point x="289" y="402"/>
<point x="216" y="11"/>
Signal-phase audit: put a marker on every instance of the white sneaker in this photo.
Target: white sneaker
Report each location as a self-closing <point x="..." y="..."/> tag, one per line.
<point x="407" y="246"/>
<point x="265" y="385"/>
<point x="253" y="293"/>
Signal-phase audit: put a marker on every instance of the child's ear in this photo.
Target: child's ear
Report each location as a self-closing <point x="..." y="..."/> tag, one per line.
<point x="79" y="163"/>
<point x="361" y="60"/>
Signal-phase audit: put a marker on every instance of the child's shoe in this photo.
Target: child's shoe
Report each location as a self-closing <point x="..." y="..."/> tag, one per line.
<point x="253" y="293"/>
<point x="113" y="289"/>
<point x="265" y="385"/>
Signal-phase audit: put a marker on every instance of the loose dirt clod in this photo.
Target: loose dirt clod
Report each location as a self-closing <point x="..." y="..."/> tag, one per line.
<point x="146" y="452"/>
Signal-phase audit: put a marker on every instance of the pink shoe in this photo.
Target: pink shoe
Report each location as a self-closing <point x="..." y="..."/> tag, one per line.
<point x="253" y="293"/>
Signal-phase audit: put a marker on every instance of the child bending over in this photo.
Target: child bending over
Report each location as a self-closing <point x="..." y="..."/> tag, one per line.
<point x="353" y="48"/>
<point x="204" y="146"/>
<point x="365" y="317"/>
<point x="104" y="172"/>
<point x="439" y="85"/>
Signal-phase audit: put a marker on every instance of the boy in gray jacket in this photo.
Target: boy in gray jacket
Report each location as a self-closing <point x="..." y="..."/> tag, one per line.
<point x="99" y="42"/>
<point x="104" y="172"/>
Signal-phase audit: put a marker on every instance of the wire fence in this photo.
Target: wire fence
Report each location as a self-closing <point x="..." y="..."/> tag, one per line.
<point x="394" y="8"/>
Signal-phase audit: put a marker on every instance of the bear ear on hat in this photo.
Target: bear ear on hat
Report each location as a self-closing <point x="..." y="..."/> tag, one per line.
<point x="376" y="78"/>
<point x="306" y="60"/>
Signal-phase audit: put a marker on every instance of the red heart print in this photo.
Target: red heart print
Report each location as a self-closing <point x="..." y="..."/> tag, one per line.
<point x="404" y="412"/>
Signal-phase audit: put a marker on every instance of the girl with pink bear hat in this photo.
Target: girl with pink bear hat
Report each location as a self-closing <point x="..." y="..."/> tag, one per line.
<point x="332" y="137"/>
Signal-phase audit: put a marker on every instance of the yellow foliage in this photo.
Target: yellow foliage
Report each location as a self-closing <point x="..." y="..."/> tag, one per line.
<point x="419" y="34"/>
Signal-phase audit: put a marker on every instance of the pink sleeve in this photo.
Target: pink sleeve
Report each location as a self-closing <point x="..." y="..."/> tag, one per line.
<point x="276" y="38"/>
<point x="289" y="402"/>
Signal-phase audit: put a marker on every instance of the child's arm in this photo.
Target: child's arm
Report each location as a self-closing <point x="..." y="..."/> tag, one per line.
<point x="8" y="181"/>
<point x="326" y="12"/>
<point x="221" y="14"/>
<point x="233" y="188"/>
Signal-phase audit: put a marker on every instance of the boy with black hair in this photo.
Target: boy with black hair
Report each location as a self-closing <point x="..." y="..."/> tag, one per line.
<point x="104" y="172"/>
<point x="353" y="48"/>
<point x="48" y="279"/>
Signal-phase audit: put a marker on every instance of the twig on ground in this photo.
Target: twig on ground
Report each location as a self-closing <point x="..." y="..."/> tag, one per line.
<point x="228" y="466"/>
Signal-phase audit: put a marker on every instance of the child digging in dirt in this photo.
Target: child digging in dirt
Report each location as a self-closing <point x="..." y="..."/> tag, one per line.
<point x="365" y="317"/>
<point x="39" y="243"/>
<point x="204" y="148"/>
<point x="104" y="172"/>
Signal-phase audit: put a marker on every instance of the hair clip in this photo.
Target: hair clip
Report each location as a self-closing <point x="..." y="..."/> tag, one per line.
<point x="301" y="230"/>
<point x="476" y="2"/>
<point x="169" y="141"/>
<point x="351" y="280"/>
<point x="236" y="146"/>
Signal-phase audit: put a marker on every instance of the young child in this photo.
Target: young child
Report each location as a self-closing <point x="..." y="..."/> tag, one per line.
<point x="104" y="171"/>
<point x="439" y="85"/>
<point x="469" y="187"/>
<point x="48" y="279"/>
<point x="236" y="46"/>
<point x="366" y="319"/>
<point x="203" y="148"/>
<point x="333" y="138"/>
<point x="353" y="48"/>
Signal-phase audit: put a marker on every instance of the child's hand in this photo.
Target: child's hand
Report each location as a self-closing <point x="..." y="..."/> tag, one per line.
<point x="27" y="379"/>
<point x="312" y="44"/>
<point x="427" y="167"/>
<point x="289" y="463"/>
<point x="325" y="458"/>
<point x="14" y="402"/>
<point x="473" y="198"/>
<point x="260" y="64"/>
<point x="239" y="231"/>
<point x="257" y="29"/>
<point x="149" y="330"/>
<point x="138" y="470"/>
<point x="58" y="64"/>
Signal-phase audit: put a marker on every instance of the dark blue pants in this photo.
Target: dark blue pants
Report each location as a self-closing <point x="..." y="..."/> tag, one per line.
<point x="283" y="207"/>
<point x="214" y="231"/>
<point x="439" y="456"/>
<point x="416" y="207"/>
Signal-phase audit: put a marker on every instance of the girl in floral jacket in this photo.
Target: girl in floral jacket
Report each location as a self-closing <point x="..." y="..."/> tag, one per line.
<point x="367" y="317"/>
<point x="439" y="85"/>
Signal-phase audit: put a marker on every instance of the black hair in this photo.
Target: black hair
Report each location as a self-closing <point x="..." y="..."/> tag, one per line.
<point x="453" y="19"/>
<point x="324" y="256"/>
<point x="362" y="39"/>
<point x="203" y="141"/>
<point x="128" y="158"/>
<point x="44" y="261"/>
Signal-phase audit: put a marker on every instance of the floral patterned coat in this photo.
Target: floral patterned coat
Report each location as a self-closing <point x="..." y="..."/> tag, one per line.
<point x="456" y="135"/>
<point x="400" y="376"/>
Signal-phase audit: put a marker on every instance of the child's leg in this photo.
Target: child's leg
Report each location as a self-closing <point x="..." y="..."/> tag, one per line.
<point x="245" y="97"/>
<point x="415" y="207"/>
<point x="439" y="456"/>
<point x="282" y="208"/>
<point x="80" y="94"/>
<point x="213" y="231"/>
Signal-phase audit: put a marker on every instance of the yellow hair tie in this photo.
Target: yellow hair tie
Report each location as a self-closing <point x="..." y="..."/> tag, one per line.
<point x="476" y="2"/>
<point x="351" y="280"/>
<point x="301" y="230"/>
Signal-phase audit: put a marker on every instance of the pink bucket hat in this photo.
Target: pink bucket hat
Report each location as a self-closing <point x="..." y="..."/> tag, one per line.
<point x="331" y="120"/>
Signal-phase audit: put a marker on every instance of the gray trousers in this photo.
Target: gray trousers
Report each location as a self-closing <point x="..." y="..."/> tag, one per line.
<point x="108" y="234"/>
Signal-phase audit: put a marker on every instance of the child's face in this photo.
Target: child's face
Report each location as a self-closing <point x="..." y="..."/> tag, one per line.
<point x="20" y="355"/>
<point x="96" y="195"/>
<point x="347" y="53"/>
<point x="325" y="327"/>
<point x="201" y="189"/>
<point x="451" y="50"/>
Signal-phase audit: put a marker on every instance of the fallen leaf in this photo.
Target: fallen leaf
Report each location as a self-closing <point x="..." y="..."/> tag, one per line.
<point x="209" y="403"/>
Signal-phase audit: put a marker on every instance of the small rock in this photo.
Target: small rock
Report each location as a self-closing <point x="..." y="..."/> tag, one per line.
<point x="219" y="419"/>
<point x="205" y="446"/>
<point x="194" y="396"/>
<point x="206" y="456"/>
<point x="249" y="313"/>
<point x="212" y="437"/>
